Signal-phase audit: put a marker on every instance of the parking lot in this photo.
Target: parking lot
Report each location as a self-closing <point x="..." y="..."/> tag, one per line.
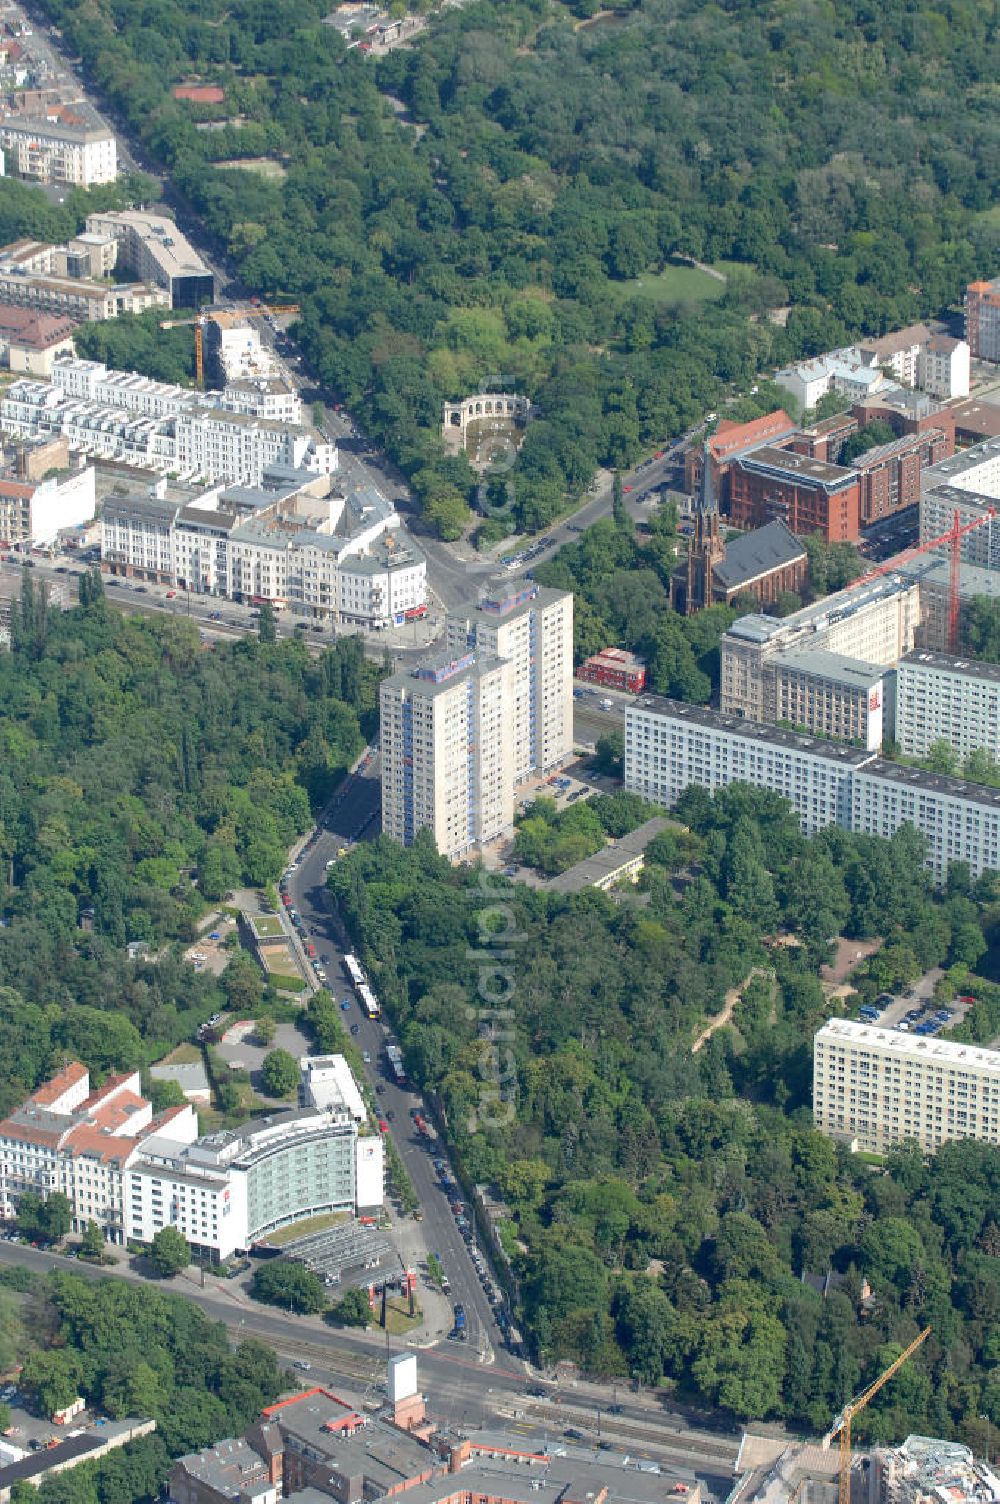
<point x="915" y="1012"/>
<point x="209" y="951"/>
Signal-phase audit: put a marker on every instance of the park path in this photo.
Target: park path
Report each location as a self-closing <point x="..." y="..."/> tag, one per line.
<point x="720" y="1019"/>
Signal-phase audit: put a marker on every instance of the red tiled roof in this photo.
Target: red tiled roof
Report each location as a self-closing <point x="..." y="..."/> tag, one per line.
<point x="730" y="437"/>
<point x="17" y="490"/>
<point x="51" y="1091"/>
<point x="87" y="1139"/>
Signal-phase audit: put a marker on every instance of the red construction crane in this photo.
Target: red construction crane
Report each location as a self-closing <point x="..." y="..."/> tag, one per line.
<point x="954" y="537"/>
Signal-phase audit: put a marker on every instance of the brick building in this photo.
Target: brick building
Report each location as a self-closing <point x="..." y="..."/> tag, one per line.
<point x="825" y="440"/>
<point x="890" y="473"/>
<point x="727" y="442"/>
<point x="808" y="495"/>
<point x="908" y="412"/>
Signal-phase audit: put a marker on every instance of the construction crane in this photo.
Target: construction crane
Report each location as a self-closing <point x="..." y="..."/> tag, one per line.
<point x="953" y="537"/>
<point x="199" y="343"/>
<point x="842" y="1424"/>
<point x="251" y="309"/>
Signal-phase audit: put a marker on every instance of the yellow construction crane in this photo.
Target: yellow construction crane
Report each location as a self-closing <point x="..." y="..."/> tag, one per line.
<point x="253" y="309"/>
<point x="199" y="343"/>
<point x="842" y="1425"/>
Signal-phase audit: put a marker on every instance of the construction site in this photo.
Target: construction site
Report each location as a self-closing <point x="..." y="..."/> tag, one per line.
<point x="922" y="1470"/>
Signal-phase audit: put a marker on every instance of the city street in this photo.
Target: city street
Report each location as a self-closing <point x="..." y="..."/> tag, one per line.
<point x="456" y="1384"/>
<point x="353" y="817"/>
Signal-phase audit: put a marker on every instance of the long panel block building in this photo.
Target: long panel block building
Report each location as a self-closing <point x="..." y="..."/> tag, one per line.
<point x="878" y="1087"/>
<point x="670" y="746"/>
<point x="945" y="697"/>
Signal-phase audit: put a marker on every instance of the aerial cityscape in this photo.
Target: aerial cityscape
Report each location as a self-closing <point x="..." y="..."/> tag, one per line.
<point x="500" y="779"/>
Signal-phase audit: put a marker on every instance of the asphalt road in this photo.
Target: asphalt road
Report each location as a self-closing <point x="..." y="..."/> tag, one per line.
<point x="354" y="816"/>
<point x="456" y="1384"/>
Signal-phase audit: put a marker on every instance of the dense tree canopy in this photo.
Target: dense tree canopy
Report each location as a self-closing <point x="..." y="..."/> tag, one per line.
<point x="670" y="1200"/>
<point x="515" y="195"/>
<point x="143" y="775"/>
<point x="134" y="1351"/>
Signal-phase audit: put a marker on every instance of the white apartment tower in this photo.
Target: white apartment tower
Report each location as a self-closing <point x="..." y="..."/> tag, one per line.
<point x="941" y="697"/>
<point x="447" y="751"/>
<point x="879" y="1087"/>
<point x="532" y="627"/>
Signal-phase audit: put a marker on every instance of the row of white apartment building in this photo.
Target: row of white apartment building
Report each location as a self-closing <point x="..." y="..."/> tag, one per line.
<point x="943" y="697"/>
<point x="70" y="146"/>
<point x="134" y="1173"/>
<point x="462" y="730"/>
<point x="122" y="417"/>
<point x="916" y="357"/>
<point x="670" y="746"/>
<point x="873" y="1088"/>
<point x="291" y="541"/>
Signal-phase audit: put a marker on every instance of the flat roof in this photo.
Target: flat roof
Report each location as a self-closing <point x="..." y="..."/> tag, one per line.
<point x="822" y="613"/>
<point x="934" y="569"/>
<point x="959" y="464"/>
<point x="610" y="859"/>
<point x="783" y="462"/>
<point x="170" y="247"/>
<point x="713" y="720"/>
<point x="480" y="664"/>
<point x="933" y="783"/>
<point x="926" y="1047"/>
<point x="836" y="666"/>
<point x="951" y="663"/>
<point x="978" y="415"/>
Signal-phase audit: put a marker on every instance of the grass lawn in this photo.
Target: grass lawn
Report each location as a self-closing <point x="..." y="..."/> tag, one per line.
<point x="398" y="1320"/>
<point x="305" y="1228"/>
<point x="265" y="167"/>
<point x="268" y="926"/>
<point x="184" y="1054"/>
<point x="675" y="284"/>
<point x="991" y="216"/>
<point x="278" y="960"/>
<point x="284" y="983"/>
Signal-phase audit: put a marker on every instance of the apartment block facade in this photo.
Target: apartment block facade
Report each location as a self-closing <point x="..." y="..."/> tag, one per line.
<point x="227" y="1190"/>
<point x="960" y="820"/>
<point x="982" y="319"/>
<point x="153" y="248"/>
<point x="49" y="151"/>
<point x="133" y="1173"/>
<point x="195" y="437"/>
<point x="670" y="746"/>
<point x="67" y="1137"/>
<point x="867" y="627"/>
<point x="532" y="627"/>
<point x="447" y="745"/>
<point x="890" y="474"/>
<point x="943" y="367"/>
<point x="878" y="1087"/>
<point x="287" y="543"/>
<point x="966" y="486"/>
<point x="942" y="697"/>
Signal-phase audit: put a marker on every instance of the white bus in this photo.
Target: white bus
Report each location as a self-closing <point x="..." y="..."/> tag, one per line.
<point x="369" y="1001"/>
<point x="354" y="971"/>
